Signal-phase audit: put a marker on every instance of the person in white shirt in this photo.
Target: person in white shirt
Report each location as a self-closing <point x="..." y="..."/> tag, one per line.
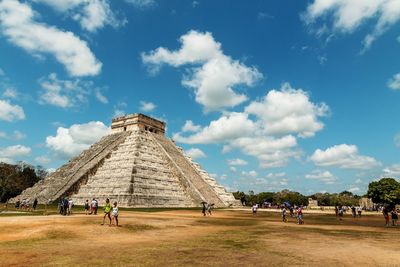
<point x="115" y="214"/>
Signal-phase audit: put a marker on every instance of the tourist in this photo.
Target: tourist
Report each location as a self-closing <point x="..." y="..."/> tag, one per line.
<point x="353" y="211"/>
<point x="60" y="206"/>
<point x="107" y="211"/>
<point x="204" y="209"/>
<point x="27" y="205"/>
<point x="291" y="212"/>
<point x="254" y="209"/>
<point x="359" y="211"/>
<point x="65" y="205"/>
<point x="341" y="212"/>
<point x="300" y="215"/>
<point x="93" y="206"/>
<point x="23" y="206"/>
<point x="284" y="214"/>
<point x="70" y="205"/>
<point x="209" y="208"/>
<point x="96" y="207"/>
<point x="336" y="211"/>
<point x="395" y="216"/>
<point x="17" y="203"/>
<point x="115" y="214"/>
<point x="87" y="207"/>
<point x="35" y="202"/>
<point x="385" y="212"/>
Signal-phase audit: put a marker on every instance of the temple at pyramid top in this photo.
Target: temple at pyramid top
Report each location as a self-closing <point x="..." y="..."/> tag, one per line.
<point x="135" y="165"/>
<point x="137" y="121"/>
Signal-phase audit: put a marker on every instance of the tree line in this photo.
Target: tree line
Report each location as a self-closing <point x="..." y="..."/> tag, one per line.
<point x="385" y="191"/>
<point x="16" y="178"/>
<point x="295" y="198"/>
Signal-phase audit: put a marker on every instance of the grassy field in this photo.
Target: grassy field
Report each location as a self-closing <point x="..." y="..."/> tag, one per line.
<point x="167" y="237"/>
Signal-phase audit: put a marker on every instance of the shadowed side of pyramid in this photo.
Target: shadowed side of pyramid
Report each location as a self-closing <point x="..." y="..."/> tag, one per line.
<point x="135" y="165"/>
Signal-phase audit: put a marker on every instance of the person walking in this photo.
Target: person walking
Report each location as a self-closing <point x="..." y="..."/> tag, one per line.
<point x="300" y="219"/>
<point x="65" y="206"/>
<point x="359" y="211"/>
<point x="35" y="202"/>
<point x="353" y="211"/>
<point x="203" y="210"/>
<point x="284" y="214"/>
<point x="385" y="212"/>
<point x="115" y="214"/>
<point x="96" y="206"/>
<point x="395" y="216"/>
<point x="17" y="204"/>
<point x="87" y="207"/>
<point x="254" y="209"/>
<point x="209" y="208"/>
<point x="107" y="211"/>
<point x="93" y="206"/>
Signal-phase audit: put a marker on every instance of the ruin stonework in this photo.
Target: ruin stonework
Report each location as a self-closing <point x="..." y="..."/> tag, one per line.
<point x="135" y="165"/>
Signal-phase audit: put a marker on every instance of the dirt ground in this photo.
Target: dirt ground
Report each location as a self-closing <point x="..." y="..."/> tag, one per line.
<point x="186" y="238"/>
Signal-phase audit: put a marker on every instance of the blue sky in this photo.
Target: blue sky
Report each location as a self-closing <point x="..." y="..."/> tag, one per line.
<point x="265" y="95"/>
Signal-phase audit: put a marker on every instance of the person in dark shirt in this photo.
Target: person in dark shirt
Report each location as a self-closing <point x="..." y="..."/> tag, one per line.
<point x="385" y="212"/>
<point x="395" y="217"/>
<point x="35" y="202"/>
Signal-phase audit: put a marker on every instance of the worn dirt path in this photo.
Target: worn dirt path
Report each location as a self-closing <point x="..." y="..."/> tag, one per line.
<point x="185" y="238"/>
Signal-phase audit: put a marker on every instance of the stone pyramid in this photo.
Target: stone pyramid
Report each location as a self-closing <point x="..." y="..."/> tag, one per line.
<point x="135" y="165"/>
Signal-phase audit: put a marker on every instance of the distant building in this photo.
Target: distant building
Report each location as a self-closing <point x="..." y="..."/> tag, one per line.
<point x="366" y="203"/>
<point x="312" y="203"/>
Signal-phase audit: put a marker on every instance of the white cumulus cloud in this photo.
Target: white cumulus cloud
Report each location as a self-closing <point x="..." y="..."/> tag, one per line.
<point x="141" y="3"/>
<point x="394" y="82"/>
<point x="63" y="93"/>
<point x="18" y="24"/>
<point x="237" y="162"/>
<point x="91" y="14"/>
<point x="12" y="153"/>
<point x="230" y="126"/>
<point x="43" y="160"/>
<point x="10" y="112"/>
<point x="392" y="171"/>
<point x="287" y="111"/>
<point x="195" y="153"/>
<point x="71" y="141"/>
<point x="347" y="15"/>
<point x="10" y="93"/>
<point x="343" y="156"/>
<point x="212" y="74"/>
<point x="147" y="106"/>
<point x="102" y="98"/>
<point x="189" y="126"/>
<point x="324" y="176"/>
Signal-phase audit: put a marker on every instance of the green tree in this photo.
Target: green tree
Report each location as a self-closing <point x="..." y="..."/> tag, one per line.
<point x="15" y="178"/>
<point x="385" y="191"/>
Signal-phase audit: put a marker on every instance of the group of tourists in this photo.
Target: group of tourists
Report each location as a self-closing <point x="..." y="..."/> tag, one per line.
<point x="207" y="208"/>
<point x="284" y="210"/>
<point x="341" y="210"/>
<point x="92" y="207"/>
<point x="65" y="206"/>
<point x="393" y="214"/>
<point x="299" y="213"/>
<point x="111" y="212"/>
<point x="25" y="204"/>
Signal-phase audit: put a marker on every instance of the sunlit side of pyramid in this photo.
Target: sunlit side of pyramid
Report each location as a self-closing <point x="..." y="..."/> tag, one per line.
<point x="135" y="165"/>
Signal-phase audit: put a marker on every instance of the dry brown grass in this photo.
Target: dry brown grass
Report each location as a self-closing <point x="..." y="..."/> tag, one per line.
<point x="185" y="238"/>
